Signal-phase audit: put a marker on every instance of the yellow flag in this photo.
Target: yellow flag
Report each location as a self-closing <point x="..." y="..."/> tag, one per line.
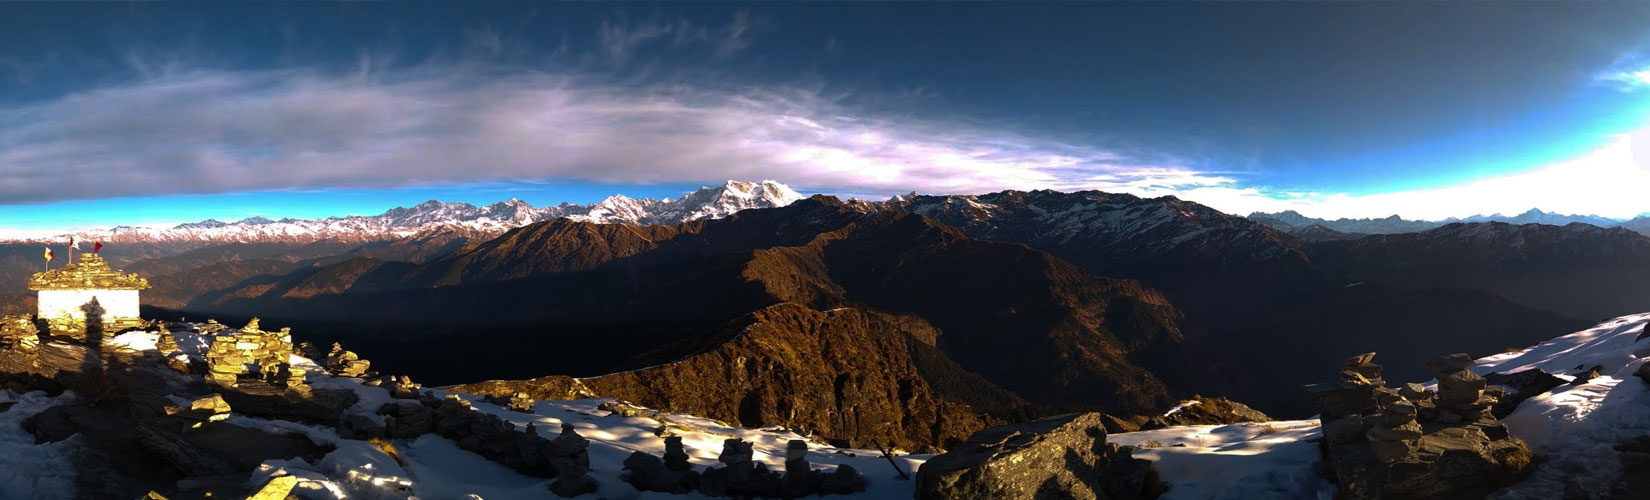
<point x="48" y="254"/>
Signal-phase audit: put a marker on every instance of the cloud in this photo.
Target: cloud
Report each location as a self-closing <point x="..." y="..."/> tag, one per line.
<point x="209" y="131"/>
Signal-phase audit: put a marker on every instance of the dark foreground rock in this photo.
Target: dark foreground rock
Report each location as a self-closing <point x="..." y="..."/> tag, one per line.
<point x="1415" y="443"/>
<point x="1524" y="384"/>
<point x="1053" y="458"/>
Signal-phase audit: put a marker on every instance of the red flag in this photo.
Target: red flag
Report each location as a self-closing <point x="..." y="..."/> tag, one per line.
<point x="96" y="246"/>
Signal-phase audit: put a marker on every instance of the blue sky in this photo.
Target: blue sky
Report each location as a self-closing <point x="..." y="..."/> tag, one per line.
<point x="120" y="114"/>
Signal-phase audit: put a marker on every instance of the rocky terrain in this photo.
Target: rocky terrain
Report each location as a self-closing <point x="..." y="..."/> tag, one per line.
<point x="1578" y="270"/>
<point x="1249" y="292"/>
<point x="754" y="372"/>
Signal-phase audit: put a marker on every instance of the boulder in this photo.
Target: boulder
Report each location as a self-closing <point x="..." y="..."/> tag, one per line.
<point x="1586" y="376"/>
<point x="648" y="473"/>
<point x="1056" y="457"/>
<point x="1206" y="411"/>
<point x="1524" y="384"/>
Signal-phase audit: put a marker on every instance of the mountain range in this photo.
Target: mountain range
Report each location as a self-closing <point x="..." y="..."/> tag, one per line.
<point x="1322" y="229"/>
<point x="1132" y="301"/>
<point x="707" y="202"/>
<point x="1007" y="305"/>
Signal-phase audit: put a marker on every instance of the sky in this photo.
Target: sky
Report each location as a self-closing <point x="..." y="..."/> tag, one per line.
<point x="117" y="114"/>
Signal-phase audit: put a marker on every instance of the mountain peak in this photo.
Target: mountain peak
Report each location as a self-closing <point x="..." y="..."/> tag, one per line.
<point x="705" y="203"/>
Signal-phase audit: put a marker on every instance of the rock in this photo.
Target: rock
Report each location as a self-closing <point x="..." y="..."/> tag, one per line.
<point x="1409" y="431"/>
<point x="620" y="408"/>
<point x="1525" y="384"/>
<point x="1586" y="376"/>
<point x="1415" y="392"/>
<point x="800" y="479"/>
<point x="1388" y="452"/>
<point x="201" y="411"/>
<point x="572" y="463"/>
<point x="1116" y="425"/>
<point x="278" y="488"/>
<point x="648" y="473"/>
<point x="1643" y="372"/>
<point x="1207" y="411"/>
<point x="1419" y="447"/>
<point x="1634" y="477"/>
<point x="1460" y="386"/>
<point x="1337" y="401"/>
<point x="676" y="457"/>
<point x="1056" y="457"/>
<point x="363" y="426"/>
<point x="1344" y="430"/>
<point x="1450" y="363"/>
<point x="845" y="480"/>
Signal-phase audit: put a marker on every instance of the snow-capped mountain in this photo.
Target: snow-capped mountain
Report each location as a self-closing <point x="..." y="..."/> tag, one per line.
<point x="705" y="203"/>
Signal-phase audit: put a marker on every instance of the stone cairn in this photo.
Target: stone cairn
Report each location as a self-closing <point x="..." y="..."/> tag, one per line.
<point x="572" y="463"/>
<point x="400" y="386"/>
<point x="344" y="363"/>
<point x="1383" y="442"/>
<point x="19" y="333"/>
<point x="231" y="356"/>
<point x="740" y="476"/>
<point x="519" y="402"/>
<point x="564" y="458"/>
<point x="166" y="343"/>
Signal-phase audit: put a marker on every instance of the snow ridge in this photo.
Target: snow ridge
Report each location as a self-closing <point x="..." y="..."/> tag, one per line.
<point x="705" y="203"/>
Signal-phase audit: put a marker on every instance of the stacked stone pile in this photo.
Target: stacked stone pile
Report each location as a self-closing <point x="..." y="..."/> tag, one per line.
<point x="570" y="456"/>
<point x="672" y="475"/>
<point x="344" y="363"/>
<point x="400" y="386"/>
<point x="201" y="411"/>
<point x="519" y="401"/>
<point x="1461" y="396"/>
<point x="740" y="476"/>
<point x="231" y="356"/>
<point x="18" y="332"/>
<point x="1412" y="442"/>
<point x="166" y="343"/>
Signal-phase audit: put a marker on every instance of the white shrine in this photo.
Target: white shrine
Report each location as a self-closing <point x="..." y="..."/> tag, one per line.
<point x="66" y="293"/>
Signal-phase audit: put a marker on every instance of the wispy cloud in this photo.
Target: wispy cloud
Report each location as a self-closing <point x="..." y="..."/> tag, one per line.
<point x="221" y="131"/>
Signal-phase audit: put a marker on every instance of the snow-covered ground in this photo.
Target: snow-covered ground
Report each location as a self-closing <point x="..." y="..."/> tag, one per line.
<point x="1238" y="461"/>
<point x="1575" y="427"/>
<point x="27" y="470"/>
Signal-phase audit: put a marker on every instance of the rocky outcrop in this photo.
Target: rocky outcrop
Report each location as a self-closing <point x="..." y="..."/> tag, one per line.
<point x="1524" y="385"/>
<point x="1206" y="411"/>
<point x="1064" y="457"/>
<point x="1414" y="443"/>
<point x="844" y="375"/>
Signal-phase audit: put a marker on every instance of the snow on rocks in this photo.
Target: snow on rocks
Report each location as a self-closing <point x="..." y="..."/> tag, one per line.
<point x="1576" y="426"/>
<point x="1248" y="460"/>
<point x="27" y="470"/>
